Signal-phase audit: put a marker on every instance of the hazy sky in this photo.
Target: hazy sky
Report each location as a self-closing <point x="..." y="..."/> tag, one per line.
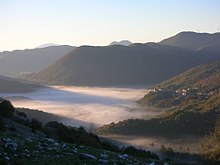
<point x="29" y="23"/>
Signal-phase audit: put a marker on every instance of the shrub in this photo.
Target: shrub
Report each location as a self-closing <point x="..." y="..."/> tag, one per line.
<point x="35" y="125"/>
<point x="2" y="124"/>
<point x="6" y="108"/>
<point x="140" y="153"/>
<point x="110" y="147"/>
<point x="74" y="135"/>
<point x="21" y="114"/>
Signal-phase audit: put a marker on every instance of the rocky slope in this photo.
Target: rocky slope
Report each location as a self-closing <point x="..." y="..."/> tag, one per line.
<point x="24" y="141"/>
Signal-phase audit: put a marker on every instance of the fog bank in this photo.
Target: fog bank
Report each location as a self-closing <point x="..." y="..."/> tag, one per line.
<point x="90" y="104"/>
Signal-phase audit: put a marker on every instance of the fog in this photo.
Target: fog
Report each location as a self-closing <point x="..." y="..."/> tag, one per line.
<point x="94" y="105"/>
<point x="184" y="144"/>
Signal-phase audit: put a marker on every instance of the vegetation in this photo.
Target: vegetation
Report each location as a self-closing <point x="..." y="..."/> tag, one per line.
<point x="192" y="102"/>
<point x="73" y="135"/>
<point x="6" y="108"/>
<point x="35" y="125"/>
<point x="2" y="124"/>
<point x="210" y="146"/>
<point x="31" y="142"/>
<point x="177" y="124"/>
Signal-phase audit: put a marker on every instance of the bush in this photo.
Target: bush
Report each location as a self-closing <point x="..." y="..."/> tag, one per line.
<point x="6" y="108"/>
<point x="2" y="124"/>
<point x="35" y="125"/>
<point x="140" y="153"/>
<point x="21" y="114"/>
<point x="74" y="135"/>
<point x="110" y="147"/>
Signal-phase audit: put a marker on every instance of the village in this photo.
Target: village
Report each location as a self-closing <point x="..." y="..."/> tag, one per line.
<point x="190" y="93"/>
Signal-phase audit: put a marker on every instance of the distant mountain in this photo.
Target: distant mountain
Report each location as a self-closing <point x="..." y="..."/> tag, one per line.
<point x="123" y="42"/>
<point x="12" y="85"/>
<point x="137" y="64"/>
<point x="213" y="51"/>
<point x="192" y="40"/>
<point x="13" y="63"/>
<point x="47" y="45"/>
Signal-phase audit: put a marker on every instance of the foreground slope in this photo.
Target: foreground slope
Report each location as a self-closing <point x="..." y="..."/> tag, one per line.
<point x="192" y="40"/>
<point x="30" y="60"/>
<point x="137" y="64"/>
<point x="28" y="141"/>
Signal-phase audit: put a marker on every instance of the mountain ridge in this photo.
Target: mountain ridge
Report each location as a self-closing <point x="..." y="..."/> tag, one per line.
<point x="192" y="40"/>
<point x="12" y="63"/>
<point x="122" y="42"/>
<point x="119" y="65"/>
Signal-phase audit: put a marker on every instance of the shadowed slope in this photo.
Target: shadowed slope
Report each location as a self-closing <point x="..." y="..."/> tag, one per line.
<point x="136" y="64"/>
<point x="30" y="60"/>
<point x="192" y="40"/>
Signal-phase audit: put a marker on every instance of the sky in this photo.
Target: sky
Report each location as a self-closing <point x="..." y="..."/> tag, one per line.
<point x="30" y="23"/>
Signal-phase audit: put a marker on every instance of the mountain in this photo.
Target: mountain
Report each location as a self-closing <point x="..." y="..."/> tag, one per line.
<point x="14" y="63"/>
<point x="191" y="103"/>
<point x="197" y="83"/>
<point x="13" y="85"/>
<point x="212" y="51"/>
<point x="123" y="42"/>
<point x="47" y="45"/>
<point x="137" y="64"/>
<point x="192" y="40"/>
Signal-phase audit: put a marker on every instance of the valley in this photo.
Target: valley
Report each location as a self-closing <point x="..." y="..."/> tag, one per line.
<point x="91" y="105"/>
<point x="139" y="97"/>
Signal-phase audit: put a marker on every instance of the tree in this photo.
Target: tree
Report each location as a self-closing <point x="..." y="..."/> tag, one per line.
<point x="2" y="124"/>
<point x="35" y="125"/>
<point x="6" y="108"/>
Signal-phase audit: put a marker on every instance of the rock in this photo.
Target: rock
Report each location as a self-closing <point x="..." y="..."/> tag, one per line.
<point x="56" y="144"/>
<point x="152" y="163"/>
<point x="103" y="161"/>
<point x="64" y="146"/>
<point x="124" y="156"/>
<point x="7" y="158"/>
<point x="9" y="143"/>
<point x="81" y="147"/>
<point x="104" y="156"/>
<point x="88" y="156"/>
<point x="28" y="140"/>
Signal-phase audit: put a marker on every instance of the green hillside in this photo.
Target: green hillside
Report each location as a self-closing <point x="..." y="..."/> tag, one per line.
<point x="198" y="84"/>
<point x="192" y="102"/>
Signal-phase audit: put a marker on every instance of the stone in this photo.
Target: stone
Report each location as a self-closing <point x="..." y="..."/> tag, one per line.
<point x="124" y="156"/>
<point x="88" y="156"/>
